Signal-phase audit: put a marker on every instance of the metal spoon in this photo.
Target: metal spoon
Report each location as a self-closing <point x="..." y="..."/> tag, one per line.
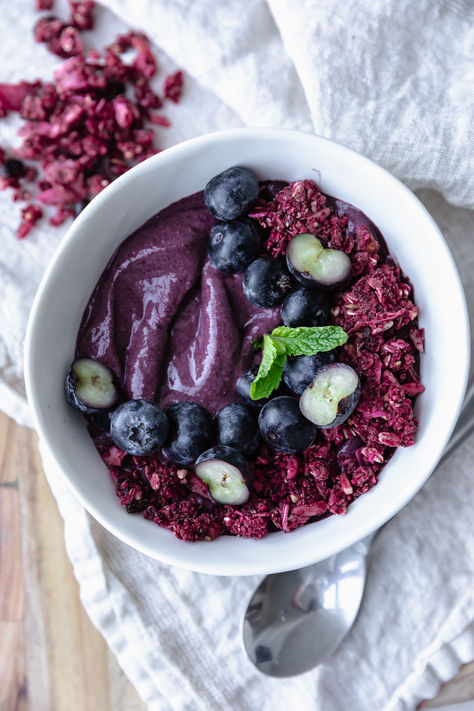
<point x="295" y="620"/>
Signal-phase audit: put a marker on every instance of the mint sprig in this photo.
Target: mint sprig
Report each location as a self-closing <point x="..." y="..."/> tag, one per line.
<point x="269" y="374"/>
<point x="284" y="341"/>
<point x="307" y="340"/>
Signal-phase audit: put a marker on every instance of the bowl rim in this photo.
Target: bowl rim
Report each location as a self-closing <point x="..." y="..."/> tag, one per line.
<point x="231" y="567"/>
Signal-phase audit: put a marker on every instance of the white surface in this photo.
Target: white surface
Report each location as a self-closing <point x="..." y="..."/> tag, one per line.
<point x="391" y="79"/>
<point x="127" y="203"/>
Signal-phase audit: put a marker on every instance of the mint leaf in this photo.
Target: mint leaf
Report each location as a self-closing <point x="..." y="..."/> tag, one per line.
<point x="269" y="373"/>
<point x="308" y="340"/>
<point x="283" y="341"/>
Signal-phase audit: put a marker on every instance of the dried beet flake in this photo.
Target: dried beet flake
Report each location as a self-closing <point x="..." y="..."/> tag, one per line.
<point x="90" y="124"/>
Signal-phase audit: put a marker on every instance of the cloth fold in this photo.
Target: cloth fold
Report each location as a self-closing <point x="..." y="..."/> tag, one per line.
<point x="393" y="80"/>
<point x="176" y="633"/>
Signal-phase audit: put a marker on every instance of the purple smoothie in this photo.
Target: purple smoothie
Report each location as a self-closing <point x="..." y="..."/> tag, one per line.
<point x="169" y="324"/>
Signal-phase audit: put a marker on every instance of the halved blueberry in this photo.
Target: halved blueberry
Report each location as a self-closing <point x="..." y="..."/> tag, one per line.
<point x="233" y="245"/>
<point x="231" y="193"/>
<point x="139" y="427"/>
<point x="332" y="396"/>
<point x="298" y="372"/>
<point x="237" y="427"/>
<point x="283" y="426"/>
<point x="191" y="431"/>
<point x="226" y="473"/>
<point x="90" y="386"/>
<point x="305" y="307"/>
<point x="314" y="265"/>
<point x="266" y="282"/>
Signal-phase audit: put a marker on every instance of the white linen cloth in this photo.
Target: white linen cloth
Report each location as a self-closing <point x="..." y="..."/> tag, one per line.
<point x="393" y="79"/>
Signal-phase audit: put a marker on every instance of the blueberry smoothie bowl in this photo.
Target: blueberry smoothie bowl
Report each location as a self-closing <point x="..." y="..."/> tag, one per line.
<point x="243" y="336"/>
<point x="249" y="359"/>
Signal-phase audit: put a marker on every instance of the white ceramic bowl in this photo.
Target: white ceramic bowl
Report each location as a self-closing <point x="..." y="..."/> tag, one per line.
<point x="412" y="237"/>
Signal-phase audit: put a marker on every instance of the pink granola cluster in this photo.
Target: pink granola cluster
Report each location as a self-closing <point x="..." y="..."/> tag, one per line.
<point x="378" y="312"/>
<point x="299" y="207"/>
<point x="87" y="126"/>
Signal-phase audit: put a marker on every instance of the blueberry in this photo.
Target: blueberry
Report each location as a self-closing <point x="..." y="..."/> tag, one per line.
<point x="266" y="282"/>
<point x="233" y="245"/>
<point x="225" y="471"/>
<point x="305" y="307"/>
<point x="231" y="193"/>
<point x="192" y="431"/>
<point x="12" y="168"/>
<point x="237" y="427"/>
<point x="314" y="265"/>
<point x="271" y="188"/>
<point x="299" y="372"/>
<point x="332" y="396"/>
<point x="90" y="386"/>
<point x="243" y="388"/>
<point x="283" y="426"/>
<point x="139" y="427"/>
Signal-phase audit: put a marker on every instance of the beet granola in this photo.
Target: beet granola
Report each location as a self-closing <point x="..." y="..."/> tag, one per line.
<point x="91" y="123"/>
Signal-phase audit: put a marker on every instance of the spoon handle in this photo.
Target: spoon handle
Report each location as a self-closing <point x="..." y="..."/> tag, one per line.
<point x="464" y="425"/>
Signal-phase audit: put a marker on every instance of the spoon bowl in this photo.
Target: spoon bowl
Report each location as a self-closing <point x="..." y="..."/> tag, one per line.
<point x="295" y="620"/>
